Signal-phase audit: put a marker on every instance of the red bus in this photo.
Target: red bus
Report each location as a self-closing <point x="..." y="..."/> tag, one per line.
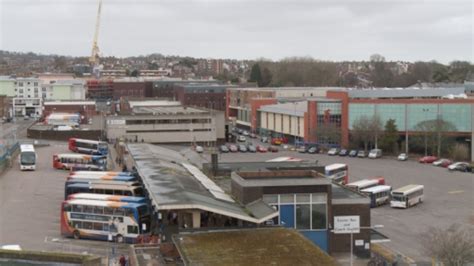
<point x="88" y="146"/>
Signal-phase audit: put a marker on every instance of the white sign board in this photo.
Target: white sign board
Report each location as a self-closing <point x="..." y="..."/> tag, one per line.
<point x="359" y="242"/>
<point x="346" y="224"/>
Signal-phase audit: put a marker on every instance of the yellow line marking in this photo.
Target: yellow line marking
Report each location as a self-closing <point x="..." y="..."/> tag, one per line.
<point x="456" y="192"/>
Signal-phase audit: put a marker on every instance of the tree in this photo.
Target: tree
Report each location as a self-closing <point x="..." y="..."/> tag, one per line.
<point x="135" y="73"/>
<point x="367" y="130"/>
<point x="377" y="58"/>
<point x="453" y="246"/>
<point x="459" y="152"/>
<point x="255" y="74"/>
<point x="431" y="133"/>
<point x="328" y="133"/>
<point x="266" y="78"/>
<point x="390" y="136"/>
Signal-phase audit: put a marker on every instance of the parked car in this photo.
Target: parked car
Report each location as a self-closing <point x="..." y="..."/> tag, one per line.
<point x="224" y="148"/>
<point x="427" y="159"/>
<point x="264" y="139"/>
<point x="261" y="148"/>
<point x="402" y="157"/>
<point x="333" y="151"/>
<point x="375" y="153"/>
<point x="251" y="148"/>
<point x="239" y="131"/>
<point x="343" y="152"/>
<point x="272" y="149"/>
<point x="353" y="153"/>
<point x="245" y="133"/>
<point x="443" y="162"/>
<point x="301" y="149"/>
<point x="242" y="138"/>
<point x="253" y="135"/>
<point x="233" y="148"/>
<point x="361" y="154"/>
<point x="276" y="141"/>
<point x="242" y="148"/>
<point x="460" y="166"/>
<point x="199" y="149"/>
<point x="313" y="150"/>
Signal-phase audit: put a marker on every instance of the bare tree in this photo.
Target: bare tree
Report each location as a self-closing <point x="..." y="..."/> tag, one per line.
<point x="459" y="152"/>
<point x="367" y="130"/>
<point x="453" y="246"/>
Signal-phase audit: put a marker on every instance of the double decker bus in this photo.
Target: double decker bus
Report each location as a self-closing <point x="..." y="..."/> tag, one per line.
<point x="112" y="173"/>
<point x="104" y="197"/>
<point x="88" y="146"/>
<point x="67" y="161"/>
<point x="365" y="183"/>
<point x="379" y="195"/>
<point x="123" y="189"/>
<point x="407" y="196"/>
<point x="104" y="220"/>
<point x="337" y="172"/>
<point x="27" y="157"/>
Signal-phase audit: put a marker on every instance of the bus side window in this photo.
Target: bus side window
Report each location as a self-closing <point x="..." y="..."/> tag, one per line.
<point x="99" y="209"/>
<point x="109" y="192"/>
<point x="127" y="193"/>
<point x="108" y="210"/>
<point x="67" y="208"/>
<point x="132" y="229"/>
<point x="77" y="208"/>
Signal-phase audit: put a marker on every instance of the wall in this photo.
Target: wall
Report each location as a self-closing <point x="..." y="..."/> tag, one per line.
<point x="61" y="92"/>
<point x="341" y="242"/>
<point x="62" y="135"/>
<point x="7" y="87"/>
<point x="255" y="105"/>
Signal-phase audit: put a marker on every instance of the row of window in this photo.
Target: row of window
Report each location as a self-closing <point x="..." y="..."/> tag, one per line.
<point x="131" y="229"/>
<point x="169" y="121"/>
<point x="295" y="198"/>
<point x="28" y="83"/>
<point x="98" y="210"/>
<point x="169" y="130"/>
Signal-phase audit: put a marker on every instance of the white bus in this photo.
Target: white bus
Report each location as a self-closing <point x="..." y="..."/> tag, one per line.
<point x="379" y="195"/>
<point x="363" y="184"/>
<point x="337" y="172"/>
<point x="27" y="157"/>
<point x="407" y="196"/>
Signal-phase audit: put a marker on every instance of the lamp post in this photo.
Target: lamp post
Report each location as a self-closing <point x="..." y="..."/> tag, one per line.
<point x="425" y="111"/>
<point x="296" y="122"/>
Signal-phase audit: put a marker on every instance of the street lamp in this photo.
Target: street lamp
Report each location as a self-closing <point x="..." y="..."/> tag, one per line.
<point x="425" y="111"/>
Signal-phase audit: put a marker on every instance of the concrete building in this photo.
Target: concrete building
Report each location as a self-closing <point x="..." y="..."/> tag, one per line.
<point x="286" y="118"/>
<point x="164" y="88"/>
<point x="31" y="107"/>
<point x="166" y="122"/>
<point x="5" y="107"/>
<point x="7" y="86"/>
<point x="243" y="103"/>
<point x="63" y="89"/>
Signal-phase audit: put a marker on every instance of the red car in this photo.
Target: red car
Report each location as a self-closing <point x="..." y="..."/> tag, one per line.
<point x="442" y="163"/>
<point x="427" y="159"/>
<point x="260" y="148"/>
<point x="233" y="148"/>
<point x="272" y="149"/>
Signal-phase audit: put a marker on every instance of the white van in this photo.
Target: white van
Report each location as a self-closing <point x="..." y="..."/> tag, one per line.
<point x="375" y="153"/>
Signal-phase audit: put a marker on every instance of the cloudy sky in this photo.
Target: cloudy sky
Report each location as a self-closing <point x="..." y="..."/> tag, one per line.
<point x="244" y="29"/>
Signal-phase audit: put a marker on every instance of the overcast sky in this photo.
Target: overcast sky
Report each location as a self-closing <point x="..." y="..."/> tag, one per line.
<point x="329" y="30"/>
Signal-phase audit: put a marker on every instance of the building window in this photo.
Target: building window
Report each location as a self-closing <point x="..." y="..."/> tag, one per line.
<point x="20" y="84"/>
<point x="36" y="84"/>
<point x="303" y="220"/>
<point x="36" y="89"/>
<point x="318" y="214"/>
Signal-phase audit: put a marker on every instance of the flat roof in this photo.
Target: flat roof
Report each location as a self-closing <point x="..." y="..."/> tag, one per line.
<point x="343" y="195"/>
<point x="153" y="103"/>
<point x="172" y="186"/>
<point x="279" y="178"/>
<point x="411" y="92"/>
<point x="292" y="109"/>
<point x="264" y="246"/>
<point x="286" y="88"/>
<point x="69" y="103"/>
<point x="163" y="110"/>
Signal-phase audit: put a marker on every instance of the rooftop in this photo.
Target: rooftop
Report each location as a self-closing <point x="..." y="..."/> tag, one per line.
<point x="279" y="178"/>
<point x="343" y="195"/>
<point x="293" y="109"/>
<point x="286" y="88"/>
<point x="163" y="110"/>
<point x="69" y="103"/>
<point x="153" y="103"/>
<point x="175" y="184"/>
<point x="271" y="246"/>
<point x="412" y="92"/>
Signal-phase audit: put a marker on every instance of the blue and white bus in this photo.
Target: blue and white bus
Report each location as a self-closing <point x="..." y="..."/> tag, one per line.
<point x="379" y="195"/>
<point x="104" y="197"/>
<point x="104" y="220"/>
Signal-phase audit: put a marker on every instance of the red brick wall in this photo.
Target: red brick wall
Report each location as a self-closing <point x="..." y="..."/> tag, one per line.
<point x="312" y="121"/>
<point x="128" y="89"/>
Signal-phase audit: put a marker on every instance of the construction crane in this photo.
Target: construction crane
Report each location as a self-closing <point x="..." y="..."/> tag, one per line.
<point x="94" y="59"/>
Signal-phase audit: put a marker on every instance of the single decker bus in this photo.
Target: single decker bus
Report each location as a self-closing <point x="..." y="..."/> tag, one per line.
<point x="407" y="196"/>
<point x="88" y="146"/>
<point x="27" y="157"/>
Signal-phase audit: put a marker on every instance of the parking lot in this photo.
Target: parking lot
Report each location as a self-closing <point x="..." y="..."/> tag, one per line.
<point x="30" y="208"/>
<point x="449" y="197"/>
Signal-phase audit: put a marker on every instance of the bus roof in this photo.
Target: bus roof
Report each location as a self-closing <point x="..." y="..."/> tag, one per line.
<point x="408" y="189"/>
<point x="78" y="156"/>
<point x="334" y="166"/>
<point x="27" y="147"/>
<point x="87" y="141"/>
<point x="99" y="173"/>
<point x="103" y="177"/>
<point x="102" y="203"/>
<point x="285" y="159"/>
<point x="377" y="189"/>
<point x="104" y="184"/>
<point x="105" y="197"/>
<point x="363" y="183"/>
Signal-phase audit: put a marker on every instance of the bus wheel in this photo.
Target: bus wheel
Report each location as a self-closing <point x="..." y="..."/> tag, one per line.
<point x="119" y="238"/>
<point x="76" y="234"/>
<point x="64" y="168"/>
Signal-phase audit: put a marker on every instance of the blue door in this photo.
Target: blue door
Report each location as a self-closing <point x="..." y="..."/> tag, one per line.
<point x="287" y="216"/>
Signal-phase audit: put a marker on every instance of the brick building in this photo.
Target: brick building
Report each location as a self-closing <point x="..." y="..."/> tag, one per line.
<point x="4" y="106"/>
<point x="131" y="89"/>
<point x="212" y="96"/>
<point x="100" y="89"/>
